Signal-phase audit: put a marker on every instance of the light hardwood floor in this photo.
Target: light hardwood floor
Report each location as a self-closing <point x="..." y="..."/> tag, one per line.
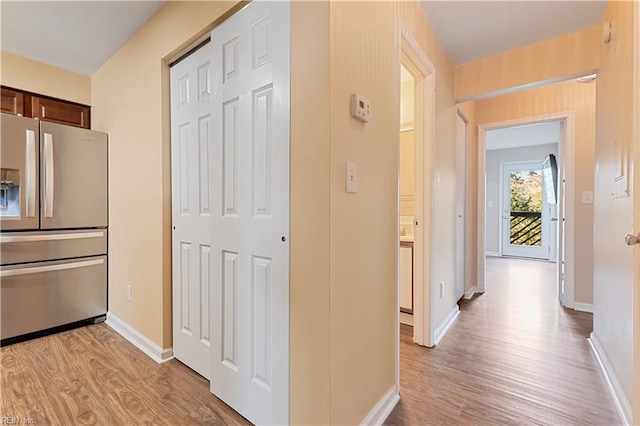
<point x="512" y="357"/>
<point x="91" y="375"/>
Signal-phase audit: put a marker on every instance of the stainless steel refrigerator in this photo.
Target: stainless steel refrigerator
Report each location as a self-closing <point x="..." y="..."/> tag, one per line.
<point x="53" y="226"/>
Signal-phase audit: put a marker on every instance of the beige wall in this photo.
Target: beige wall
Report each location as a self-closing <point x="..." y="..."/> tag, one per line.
<point x="406" y="103"/>
<point x="407" y="173"/>
<point x="613" y="268"/>
<point x="130" y="95"/>
<point x="551" y="60"/>
<point x="364" y="59"/>
<point x="553" y="99"/>
<point x="310" y="197"/>
<point x="33" y="76"/>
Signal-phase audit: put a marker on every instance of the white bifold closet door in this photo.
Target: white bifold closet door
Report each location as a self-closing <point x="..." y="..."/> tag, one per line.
<point x="192" y="162"/>
<point x="230" y="183"/>
<point x="250" y="295"/>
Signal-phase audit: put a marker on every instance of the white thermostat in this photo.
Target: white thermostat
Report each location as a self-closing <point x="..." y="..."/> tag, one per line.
<point x="360" y="107"/>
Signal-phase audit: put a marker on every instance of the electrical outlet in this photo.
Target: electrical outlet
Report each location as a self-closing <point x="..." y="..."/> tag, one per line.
<point x="129" y="293"/>
<point x="442" y="290"/>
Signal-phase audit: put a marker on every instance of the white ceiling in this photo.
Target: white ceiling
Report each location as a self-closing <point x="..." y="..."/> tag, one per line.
<point x="519" y="136"/>
<point x="82" y="35"/>
<point x="76" y="35"/>
<point x="471" y="30"/>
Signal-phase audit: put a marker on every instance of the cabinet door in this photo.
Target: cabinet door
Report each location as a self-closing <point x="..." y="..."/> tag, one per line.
<point x="406" y="278"/>
<point x="60" y="112"/>
<point x="12" y="101"/>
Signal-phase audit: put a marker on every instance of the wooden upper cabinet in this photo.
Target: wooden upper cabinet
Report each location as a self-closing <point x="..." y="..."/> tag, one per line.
<point x="16" y="101"/>
<point x="60" y="112"/>
<point x="12" y="101"/>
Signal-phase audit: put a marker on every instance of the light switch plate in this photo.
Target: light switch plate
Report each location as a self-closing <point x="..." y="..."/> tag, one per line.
<point x="587" y="197"/>
<point x="352" y="178"/>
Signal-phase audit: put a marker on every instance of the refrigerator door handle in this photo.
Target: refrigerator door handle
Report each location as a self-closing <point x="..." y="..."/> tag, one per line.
<point x="48" y="175"/>
<point x="30" y="166"/>
<point x="49" y="268"/>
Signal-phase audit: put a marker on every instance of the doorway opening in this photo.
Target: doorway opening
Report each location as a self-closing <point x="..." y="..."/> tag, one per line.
<point x="407" y="196"/>
<point x="416" y="135"/>
<point x="525" y="211"/>
<point x="522" y="192"/>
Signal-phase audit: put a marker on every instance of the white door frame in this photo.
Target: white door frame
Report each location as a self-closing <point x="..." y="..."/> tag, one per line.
<point x="461" y="205"/>
<point x="566" y="169"/>
<point x="411" y="55"/>
<point x="635" y="152"/>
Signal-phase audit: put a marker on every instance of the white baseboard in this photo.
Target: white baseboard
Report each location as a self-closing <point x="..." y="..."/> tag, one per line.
<point x="613" y="385"/>
<point x="446" y="324"/>
<point x="383" y="407"/>
<point x="492" y="254"/>
<point x="154" y="351"/>
<point x="583" y="307"/>
<point x="469" y="293"/>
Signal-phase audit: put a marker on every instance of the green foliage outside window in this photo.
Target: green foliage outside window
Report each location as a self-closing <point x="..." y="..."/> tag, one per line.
<point x="526" y="197"/>
<point x="526" y="191"/>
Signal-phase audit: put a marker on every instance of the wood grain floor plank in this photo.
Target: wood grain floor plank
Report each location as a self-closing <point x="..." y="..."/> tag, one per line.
<point x="513" y="357"/>
<point x="91" y="375"/>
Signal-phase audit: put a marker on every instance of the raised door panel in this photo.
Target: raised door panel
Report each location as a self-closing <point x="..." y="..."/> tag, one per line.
<point x="250" y="292"/>
<point x="60" y="112"/>
<point x="12" y="101"/>
<point x="192" y="193"/>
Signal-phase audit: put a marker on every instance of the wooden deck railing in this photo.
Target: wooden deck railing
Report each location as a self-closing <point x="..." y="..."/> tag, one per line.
<point x="526" y="228"/>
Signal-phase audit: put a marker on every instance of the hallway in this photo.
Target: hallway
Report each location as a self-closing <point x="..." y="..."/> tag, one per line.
<point x="513" y="356"/>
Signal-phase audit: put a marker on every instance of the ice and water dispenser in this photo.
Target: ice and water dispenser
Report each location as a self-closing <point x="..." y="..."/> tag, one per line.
<point x="9" y="192"/>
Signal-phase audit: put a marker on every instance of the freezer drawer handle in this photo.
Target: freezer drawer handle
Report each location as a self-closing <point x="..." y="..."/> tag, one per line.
<point x="31" y="173"/>
<point x="49" y="268"/>
<point x="50" y="237"/>
<point x="48" y="175"/>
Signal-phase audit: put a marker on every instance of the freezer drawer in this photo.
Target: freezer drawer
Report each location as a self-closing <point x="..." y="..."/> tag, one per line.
<point x="38" y="296"/>
<point x="74" y="178"/>
<point x="24" y="247"/>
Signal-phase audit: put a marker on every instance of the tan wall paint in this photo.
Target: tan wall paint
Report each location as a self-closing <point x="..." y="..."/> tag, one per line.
<point x="406" y="103"/>
<point x="131" y="103"/>
<point x="468" y="109"/>
<point x="33" y="76"/>
<point x="553" y="99"/>
<point x="309" y="235"/>
<point x="407" y="173"/>
<point x="613" y="262"/>
<point x="364" y="59"/>
<point x="563" y="56"/>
